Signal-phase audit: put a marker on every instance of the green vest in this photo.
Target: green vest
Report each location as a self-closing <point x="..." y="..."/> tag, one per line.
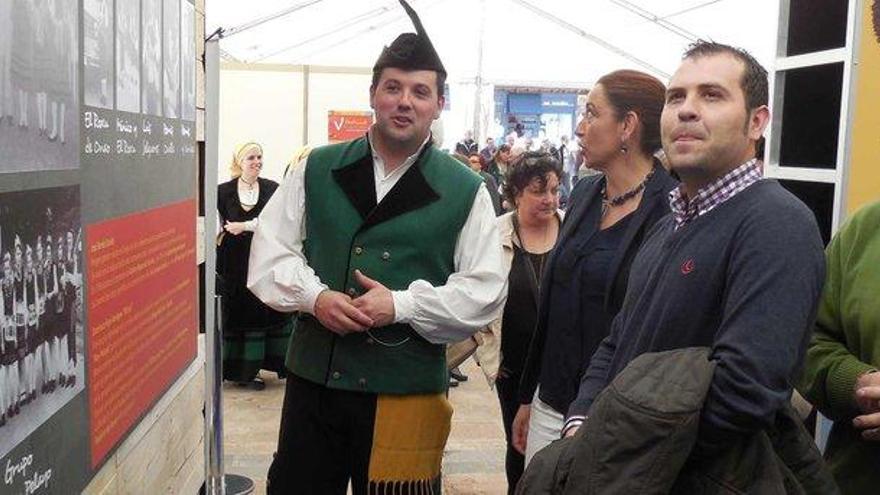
<point x="411" y="234"/>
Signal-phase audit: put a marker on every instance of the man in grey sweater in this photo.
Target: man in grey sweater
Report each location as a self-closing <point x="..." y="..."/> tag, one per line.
<point x="737" y="266"/>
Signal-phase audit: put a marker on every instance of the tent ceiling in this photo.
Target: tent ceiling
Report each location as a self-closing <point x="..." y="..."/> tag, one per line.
<point x="535" y="42"/>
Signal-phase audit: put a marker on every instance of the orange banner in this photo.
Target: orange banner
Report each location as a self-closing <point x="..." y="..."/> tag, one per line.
<point x="142" y="315"/>
<point x="345" y="125"/>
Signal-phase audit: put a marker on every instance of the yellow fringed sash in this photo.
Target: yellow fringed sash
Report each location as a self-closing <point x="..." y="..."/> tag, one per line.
<point x="408" y="440"/>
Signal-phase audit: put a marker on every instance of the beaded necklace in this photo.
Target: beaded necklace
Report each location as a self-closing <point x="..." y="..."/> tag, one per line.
<point x="608" y="203"/>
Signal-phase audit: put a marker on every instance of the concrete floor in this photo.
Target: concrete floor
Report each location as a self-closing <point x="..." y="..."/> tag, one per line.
<point x="474" y="458"/>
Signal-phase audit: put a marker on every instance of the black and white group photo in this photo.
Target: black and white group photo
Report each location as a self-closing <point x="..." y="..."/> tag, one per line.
<point x="41" y="315"/>
<point x="98" y="53"/>
<point x="188" y="64"/>
<point x="151" y="57"/>
<point x="38" y="85"/>
<point x="171" y="58"/>
<point x="128" y="76"/>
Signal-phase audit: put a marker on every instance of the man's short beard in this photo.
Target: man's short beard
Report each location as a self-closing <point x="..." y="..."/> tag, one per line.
<point x="390" y="139"/>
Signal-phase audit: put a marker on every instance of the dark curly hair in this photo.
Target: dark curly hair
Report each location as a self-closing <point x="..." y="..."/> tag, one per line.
<point x="530" y="166"/>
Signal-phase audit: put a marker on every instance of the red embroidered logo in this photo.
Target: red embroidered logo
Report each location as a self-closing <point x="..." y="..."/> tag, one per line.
<point x="687" y="266"/>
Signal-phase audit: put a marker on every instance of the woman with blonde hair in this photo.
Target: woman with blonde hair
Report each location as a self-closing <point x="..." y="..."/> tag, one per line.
<point x="254" y="335"/>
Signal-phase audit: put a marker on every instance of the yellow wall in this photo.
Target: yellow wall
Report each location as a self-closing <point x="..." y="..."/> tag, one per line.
<point x="863" y="184"/>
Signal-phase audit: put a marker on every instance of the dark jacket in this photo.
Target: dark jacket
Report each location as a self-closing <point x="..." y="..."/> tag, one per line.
<point x="583" y="210"/>
<point x="641" y="434"/>
<point x="241" y="309"/>
<point x="492" y="187"/>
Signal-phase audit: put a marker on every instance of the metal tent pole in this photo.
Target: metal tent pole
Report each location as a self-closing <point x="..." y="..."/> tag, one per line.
<point x="478" y="80"/>
<point x="216" y="481"/>
<point x="271" y="17"/>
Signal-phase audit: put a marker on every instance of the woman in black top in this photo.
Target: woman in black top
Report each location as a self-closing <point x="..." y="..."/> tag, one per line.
<point x="585" y="278"/>
<point x="254" y="335"/>
<point x="528" y="235"/>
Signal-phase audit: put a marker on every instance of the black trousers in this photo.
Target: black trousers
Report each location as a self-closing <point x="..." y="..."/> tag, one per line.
<point x="508" y="397"/>
<point x="325" y="440"/>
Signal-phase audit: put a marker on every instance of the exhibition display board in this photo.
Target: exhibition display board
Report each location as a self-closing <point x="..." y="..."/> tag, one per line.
<point x="97" y="228"/>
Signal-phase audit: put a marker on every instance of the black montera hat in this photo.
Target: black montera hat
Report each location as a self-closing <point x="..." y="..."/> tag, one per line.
<point x="410" y="51"/>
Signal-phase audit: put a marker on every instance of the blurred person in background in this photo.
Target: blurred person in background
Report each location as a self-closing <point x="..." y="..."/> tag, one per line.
<point x="254" y="335"/>
<point x="475" y="162"/>
<point x="498" y="165"/>
<point x="566" y="157"/>
<point x="488" y="151"/>
<point x="467" y="145"/>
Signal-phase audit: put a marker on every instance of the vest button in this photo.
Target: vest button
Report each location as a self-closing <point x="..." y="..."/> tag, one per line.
<point x="362" y="382"/>
<point x="352" y="292"/>
<point x="358" y="250"/>
<point x="386" y="256"/>
<point x="370" y="341"/>
<point x="337" y="375"/>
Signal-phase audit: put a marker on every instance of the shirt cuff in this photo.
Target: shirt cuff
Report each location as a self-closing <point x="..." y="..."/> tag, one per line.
<point x="572" y="422"/>
<point x="310" y="295"/>
<point x="842" y="385"/>
<point x="251" y="225"/>
<point x="404" y="306"/>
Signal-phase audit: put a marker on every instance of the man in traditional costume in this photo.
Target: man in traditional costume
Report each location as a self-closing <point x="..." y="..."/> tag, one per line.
<point x="400" y="255"/>
<point x="8" y="345"/>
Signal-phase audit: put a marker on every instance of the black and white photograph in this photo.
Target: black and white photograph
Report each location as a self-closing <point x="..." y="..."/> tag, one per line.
<point x="38" y="85"/>
<point x="128" y="46"/>
<point x="41" y="315"/>
<point x="188" y="60"/>
<point x="151" y="57"/>
<point x="98" y="53"/>
<point x="171" y="58"/>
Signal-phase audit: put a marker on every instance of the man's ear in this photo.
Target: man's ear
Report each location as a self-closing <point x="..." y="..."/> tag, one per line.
<point x="441" y="102"/>
<point x="372" y="96"/>
<point x="758" y="120"/>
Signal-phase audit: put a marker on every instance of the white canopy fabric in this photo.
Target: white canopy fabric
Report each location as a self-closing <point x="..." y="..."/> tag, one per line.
<point x="547" y="43"/>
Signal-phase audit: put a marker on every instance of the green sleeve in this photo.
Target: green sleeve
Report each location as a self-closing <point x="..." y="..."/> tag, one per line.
<point x="831" y="370"/>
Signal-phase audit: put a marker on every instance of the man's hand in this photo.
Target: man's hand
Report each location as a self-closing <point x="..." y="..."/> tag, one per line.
<point x="377" y="303"/>
<point x="863" y="397"/>
<point x="336" y="312"/>
<point x="867" y="397"/>
<point x="234" y="228"/>
<point x="520" y="432"/>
